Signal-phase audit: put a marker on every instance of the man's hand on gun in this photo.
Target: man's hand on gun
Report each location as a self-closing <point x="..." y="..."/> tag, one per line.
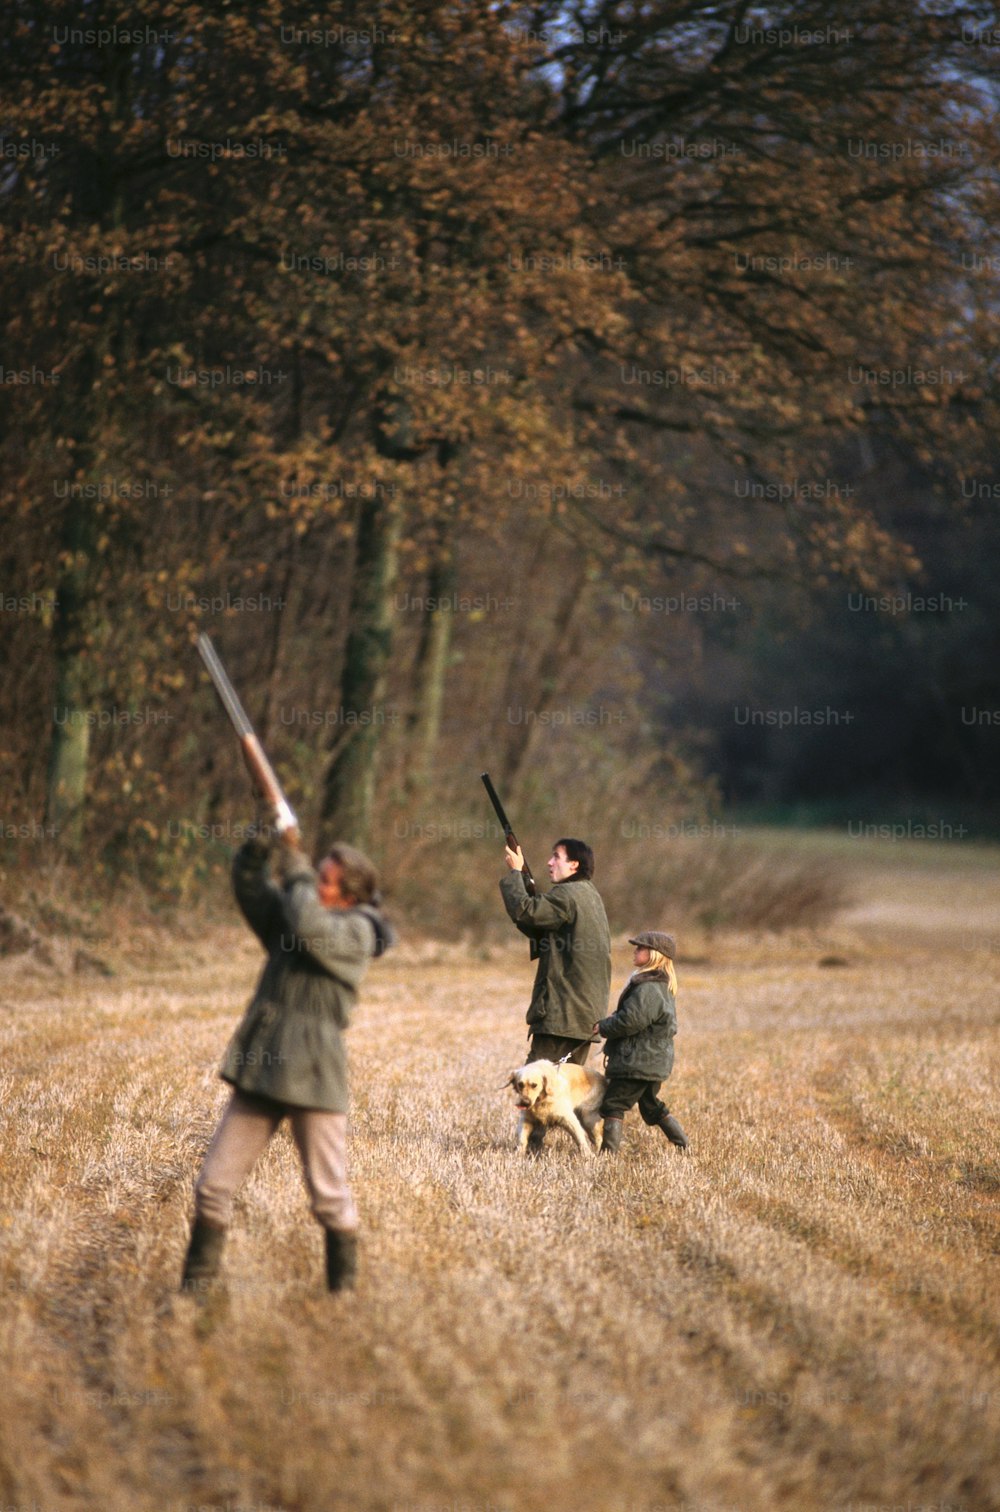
<point x="270" y="821"/>
<point x="514" y="858"/>
<point x="288" y="830"/>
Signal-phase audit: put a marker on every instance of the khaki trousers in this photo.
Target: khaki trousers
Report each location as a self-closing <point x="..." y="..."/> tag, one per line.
<point x="242" y="1137"/>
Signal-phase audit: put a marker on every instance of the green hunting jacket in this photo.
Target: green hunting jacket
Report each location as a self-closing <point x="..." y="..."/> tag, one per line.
<point x="290" y="1044"/>
<point x="640" y="1032"/>
<point x="570" y="939"/>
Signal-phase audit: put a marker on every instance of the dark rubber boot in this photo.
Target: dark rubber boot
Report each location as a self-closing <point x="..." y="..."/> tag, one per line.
<point x="536" y="1140"/>
<point x="673" y="1131"/>
<point x="201" y="1264"/>
<point x="611" y="1140"/>
<point x="341" y="1260"/>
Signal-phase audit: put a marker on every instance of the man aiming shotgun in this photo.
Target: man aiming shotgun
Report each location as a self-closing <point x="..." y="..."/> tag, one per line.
<point x="570" y="939"/>
<point x="287" y="1059"/>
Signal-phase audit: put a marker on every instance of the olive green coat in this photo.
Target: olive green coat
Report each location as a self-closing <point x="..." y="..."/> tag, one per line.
<point x="290" y="1045"/>
<point x="570" y="939"/>
<point x="640" y="1032"/>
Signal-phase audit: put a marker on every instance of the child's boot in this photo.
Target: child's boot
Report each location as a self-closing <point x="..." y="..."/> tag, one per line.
<point x="673" y="1130"/>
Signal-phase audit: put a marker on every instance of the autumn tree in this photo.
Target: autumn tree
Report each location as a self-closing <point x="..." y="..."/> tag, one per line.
<point x="380" y="300"/>
<point x="791" y="190"/>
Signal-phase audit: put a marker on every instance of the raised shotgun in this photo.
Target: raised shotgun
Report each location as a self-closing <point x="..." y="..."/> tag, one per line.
<point x="529" y="881"/>
<point x="260" y="769"/>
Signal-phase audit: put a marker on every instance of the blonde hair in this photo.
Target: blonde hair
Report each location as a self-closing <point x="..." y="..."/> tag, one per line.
<point x="659" y="962"/>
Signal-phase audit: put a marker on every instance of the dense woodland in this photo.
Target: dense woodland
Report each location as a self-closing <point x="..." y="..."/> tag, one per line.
<point x="596" y="393"/>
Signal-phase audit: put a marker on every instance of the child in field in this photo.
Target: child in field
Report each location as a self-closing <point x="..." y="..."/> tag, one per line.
<point x="639" y="1046"/>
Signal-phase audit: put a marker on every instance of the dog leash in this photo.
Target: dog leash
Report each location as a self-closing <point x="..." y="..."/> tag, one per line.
<point x="510" y="1079"/>
<point x="560" y="1062"/>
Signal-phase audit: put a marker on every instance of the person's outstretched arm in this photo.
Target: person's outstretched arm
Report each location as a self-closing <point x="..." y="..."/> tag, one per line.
<point x="549" y="910"/>
<point x="333" y="937"/>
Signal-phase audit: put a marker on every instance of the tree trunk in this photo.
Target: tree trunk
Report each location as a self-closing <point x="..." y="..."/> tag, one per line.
<point x="349" y="783"/>
<point x="69" y="752"/>
<point x="70" y="747"/>
<point x="432" y="664"/>
<point x="547" y="677"/>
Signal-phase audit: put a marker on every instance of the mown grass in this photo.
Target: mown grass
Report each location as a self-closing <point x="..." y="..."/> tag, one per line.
<point x="804" y="1314"/>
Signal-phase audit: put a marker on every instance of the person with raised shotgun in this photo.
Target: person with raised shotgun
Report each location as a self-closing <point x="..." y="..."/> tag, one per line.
<point x="319" y="927"/>
<point x="568" y="930"/>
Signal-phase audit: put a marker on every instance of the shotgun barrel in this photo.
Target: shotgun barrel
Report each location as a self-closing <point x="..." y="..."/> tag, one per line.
<point x="498" y="808"/>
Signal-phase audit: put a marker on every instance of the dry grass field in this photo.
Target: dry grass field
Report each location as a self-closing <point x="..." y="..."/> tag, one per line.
<point x="803" y="1314"/>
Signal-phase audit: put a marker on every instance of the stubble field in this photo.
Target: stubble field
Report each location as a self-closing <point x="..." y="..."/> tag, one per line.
<point x="803" y="1314"/>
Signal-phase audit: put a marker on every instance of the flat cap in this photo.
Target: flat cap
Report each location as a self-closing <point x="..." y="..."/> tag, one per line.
<point x="654" y="939"/>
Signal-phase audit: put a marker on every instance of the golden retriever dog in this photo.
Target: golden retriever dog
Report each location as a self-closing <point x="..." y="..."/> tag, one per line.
<point x="564" y="1096"/>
